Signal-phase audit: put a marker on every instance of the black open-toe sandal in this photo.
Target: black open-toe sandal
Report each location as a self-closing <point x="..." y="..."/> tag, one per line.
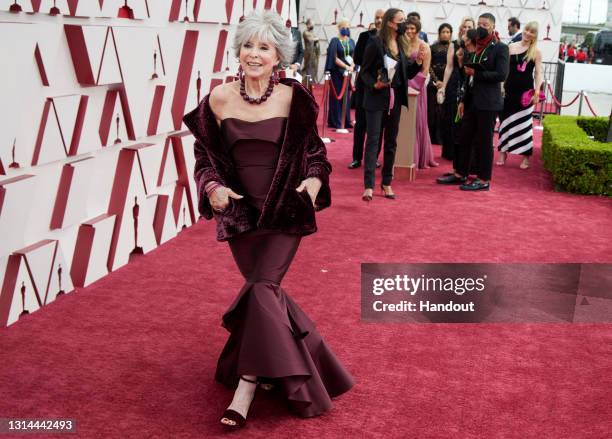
<point x="233" y="415"/>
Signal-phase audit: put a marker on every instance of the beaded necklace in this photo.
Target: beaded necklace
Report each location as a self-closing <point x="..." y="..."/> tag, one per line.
<point x="256" y="101"/>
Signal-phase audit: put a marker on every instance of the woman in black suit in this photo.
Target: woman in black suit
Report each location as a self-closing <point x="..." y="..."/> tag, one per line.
<point x="385" y="73"/>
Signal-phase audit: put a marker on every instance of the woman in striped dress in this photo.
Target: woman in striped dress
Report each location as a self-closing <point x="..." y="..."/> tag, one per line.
<point x="522" y="90"/>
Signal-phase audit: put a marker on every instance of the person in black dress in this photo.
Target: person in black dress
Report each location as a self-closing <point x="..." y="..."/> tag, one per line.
<point x="453" y="80"/>
<point x="522" y="90"/>
<point x="261" y="171"/>
<point x="435" y="111"/>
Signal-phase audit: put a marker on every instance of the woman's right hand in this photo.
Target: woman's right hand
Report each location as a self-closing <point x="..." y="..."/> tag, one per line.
<point x="461" y="110"/>
<point x="220" y="197"/>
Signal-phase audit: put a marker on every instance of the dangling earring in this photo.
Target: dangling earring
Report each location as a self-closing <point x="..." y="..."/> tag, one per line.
<point x="240" y="72"/>
<point x="275" y="77"/>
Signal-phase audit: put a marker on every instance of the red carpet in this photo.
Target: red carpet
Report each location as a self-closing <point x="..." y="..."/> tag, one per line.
<point x="134" y="354"/>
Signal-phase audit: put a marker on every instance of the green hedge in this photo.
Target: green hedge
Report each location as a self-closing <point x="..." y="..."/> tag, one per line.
<point x="577" y="163"/>
<point x="594" y="126"/>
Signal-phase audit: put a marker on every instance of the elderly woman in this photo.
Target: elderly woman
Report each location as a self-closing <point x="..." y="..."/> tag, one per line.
<point x="261" y="172"/>
<point x="340" y="59"/>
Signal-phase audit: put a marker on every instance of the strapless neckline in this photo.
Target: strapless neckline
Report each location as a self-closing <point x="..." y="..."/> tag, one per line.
<point x="271" y="130"/>
<point x="254" y="147"/>
<point x="253" y="121"/>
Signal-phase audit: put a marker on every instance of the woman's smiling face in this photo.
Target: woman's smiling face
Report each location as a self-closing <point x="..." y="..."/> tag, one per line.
<point x="411" y="31"/>
<point x="258" y="58"/>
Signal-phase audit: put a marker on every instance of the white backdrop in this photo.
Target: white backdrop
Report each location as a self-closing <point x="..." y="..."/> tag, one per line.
<point x="94" y="159"/>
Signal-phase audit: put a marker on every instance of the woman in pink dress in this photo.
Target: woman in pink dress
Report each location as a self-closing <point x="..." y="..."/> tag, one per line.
<point x="423" y="152"/>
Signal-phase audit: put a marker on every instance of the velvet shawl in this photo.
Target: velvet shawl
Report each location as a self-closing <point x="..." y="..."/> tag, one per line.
<point x="302" y="155"/>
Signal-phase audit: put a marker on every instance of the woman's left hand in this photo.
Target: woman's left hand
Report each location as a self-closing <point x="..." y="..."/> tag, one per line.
<point x="421" y="54"/>
<point x="312" y="186"/>
<point x="535" y="98"/>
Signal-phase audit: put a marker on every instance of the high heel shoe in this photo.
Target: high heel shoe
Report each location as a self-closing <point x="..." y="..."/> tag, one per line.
<point x="385" y="194"/>
<point x="238" y="420"/>
<point x="367" y="195"/>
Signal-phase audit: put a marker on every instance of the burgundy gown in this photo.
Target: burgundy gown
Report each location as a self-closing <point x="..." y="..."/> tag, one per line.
<point x="270" y="336"/>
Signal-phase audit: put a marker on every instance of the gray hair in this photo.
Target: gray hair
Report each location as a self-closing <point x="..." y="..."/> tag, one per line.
<point x="266" y="26"/>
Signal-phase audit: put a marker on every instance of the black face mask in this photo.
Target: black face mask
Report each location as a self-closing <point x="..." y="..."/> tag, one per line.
<point x="401" y="28"/>
<point x="482" y="33"/>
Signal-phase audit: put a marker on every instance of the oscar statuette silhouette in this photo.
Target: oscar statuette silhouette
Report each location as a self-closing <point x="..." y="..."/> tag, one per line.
<point x="15" y="7"/>
<point x="547" y="37"/>
<point x="13" y="164"/>
<point x="186" y="11"/>
<point x="242" y="17"/>
<point x="198" y="86"/>
<point x="59" y="278"/>
<point x="154" y="75"/>
<point x="135" y="210"/>
<point x="23" y="291"/>
<point x="184" y="219"/>
<point x="288" y="22"/>
<point x="54" y="9"/>
<point x="117" y="140"/>
<point x="125" y="11"/>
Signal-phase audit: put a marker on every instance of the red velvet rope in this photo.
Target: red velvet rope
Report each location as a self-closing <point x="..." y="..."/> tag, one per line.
<point x="586" y="98"/>
<point x="344" y="86"/>
<point x="323" y="95"/>
<point x="325" y="105"/>
<point x="557" y="103"/>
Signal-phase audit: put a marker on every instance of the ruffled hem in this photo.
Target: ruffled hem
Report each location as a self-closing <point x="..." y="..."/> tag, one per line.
<point x="272" y="338"/>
